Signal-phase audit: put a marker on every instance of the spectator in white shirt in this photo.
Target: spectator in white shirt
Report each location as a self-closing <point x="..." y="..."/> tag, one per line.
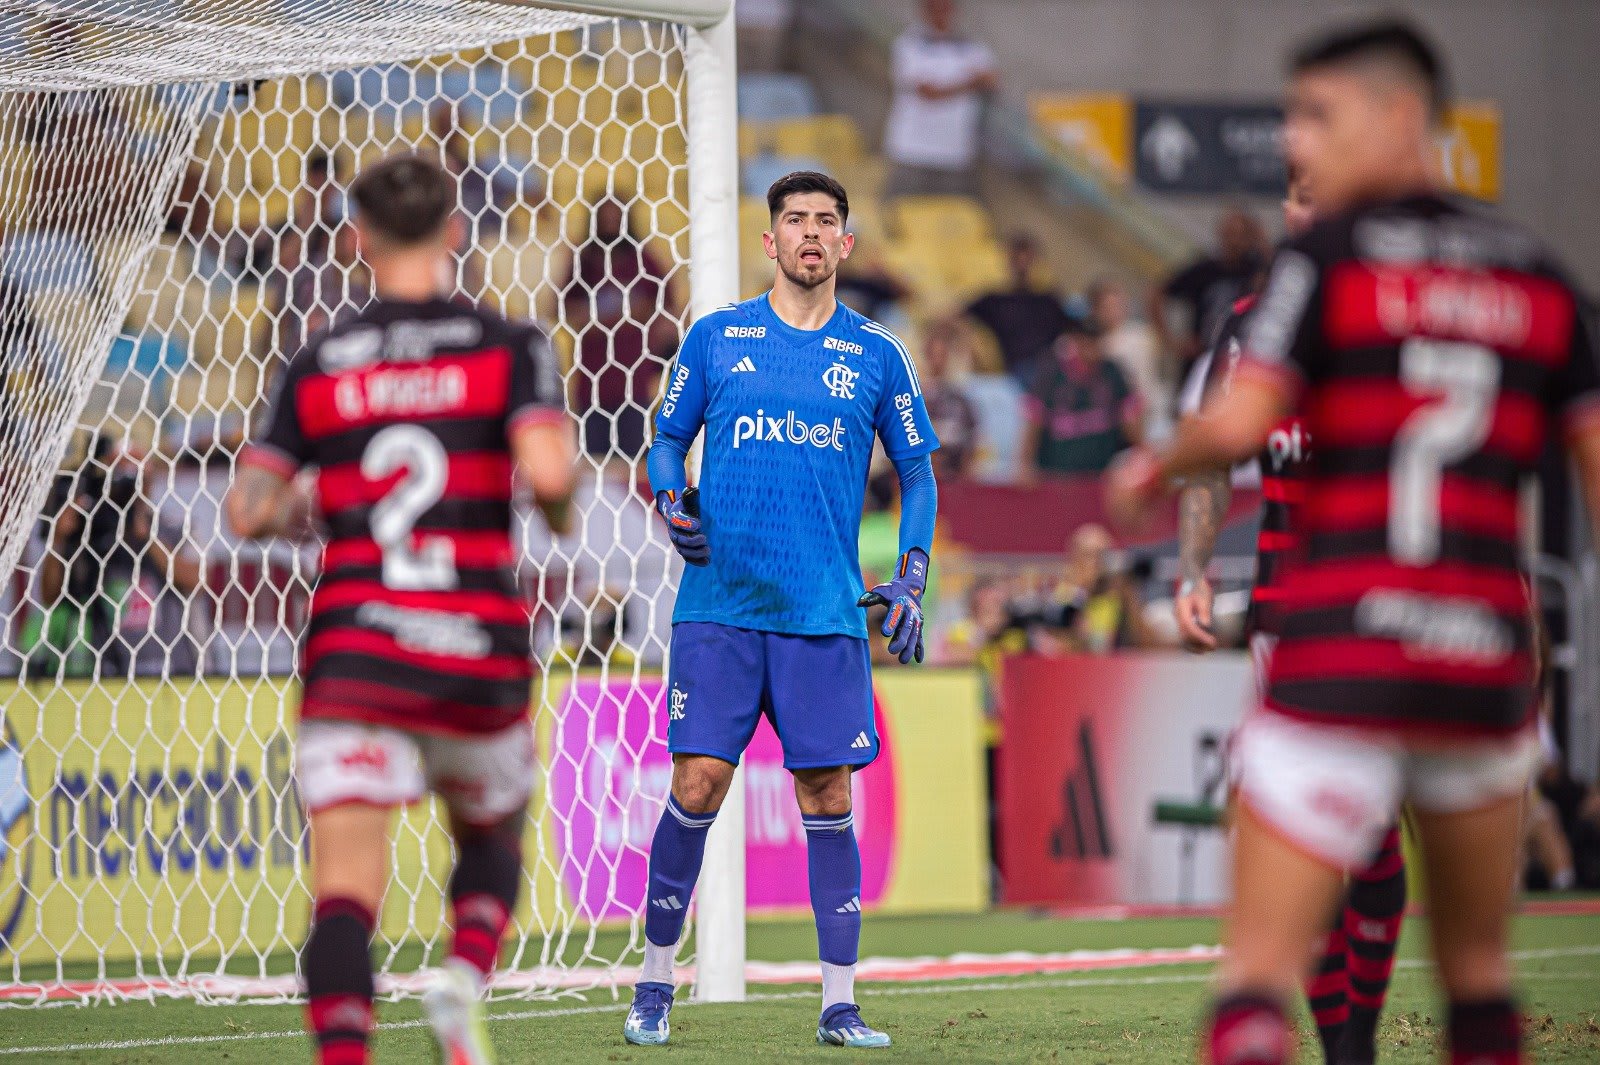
<point x="940" y="81"/>
<point x="1134" y="346"/>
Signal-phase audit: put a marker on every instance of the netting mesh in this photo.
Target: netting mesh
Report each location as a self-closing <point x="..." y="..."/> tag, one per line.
<point x="174" y="224"/>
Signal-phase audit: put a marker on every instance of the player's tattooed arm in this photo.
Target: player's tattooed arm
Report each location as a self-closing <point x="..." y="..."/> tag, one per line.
<point x="1202" y="506"/>
<point x="262" y="503"/>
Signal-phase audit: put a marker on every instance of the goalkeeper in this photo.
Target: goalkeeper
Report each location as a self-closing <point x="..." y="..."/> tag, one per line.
<point x="791" y="388"/>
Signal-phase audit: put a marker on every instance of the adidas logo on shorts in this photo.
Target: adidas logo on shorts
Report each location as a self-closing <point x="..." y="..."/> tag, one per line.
<point x="860" y="742"/>
<point x="744" y="365"/>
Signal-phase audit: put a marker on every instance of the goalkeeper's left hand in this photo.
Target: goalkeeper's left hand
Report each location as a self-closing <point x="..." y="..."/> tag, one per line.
<point x="903" y="597"/>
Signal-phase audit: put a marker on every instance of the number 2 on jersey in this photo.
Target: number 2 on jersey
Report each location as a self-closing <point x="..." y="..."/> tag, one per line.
<point x="1462" y="382"/>
<point x="429" y="565"/>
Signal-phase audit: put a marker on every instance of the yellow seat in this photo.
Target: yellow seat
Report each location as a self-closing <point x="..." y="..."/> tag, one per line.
<point x="834" y="139"/>
<point x="941" y="218"/>
<point x="233" y="327"/>
<point x="16" y="183"/>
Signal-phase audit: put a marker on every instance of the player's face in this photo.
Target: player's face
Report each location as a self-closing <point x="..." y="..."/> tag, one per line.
<point x="1340" y="136"/>
<point x="808" y="240"/>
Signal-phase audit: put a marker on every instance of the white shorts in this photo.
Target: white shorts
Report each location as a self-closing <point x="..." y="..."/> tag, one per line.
<point x="481" y="779"/>
<point x="1335" y="791"/>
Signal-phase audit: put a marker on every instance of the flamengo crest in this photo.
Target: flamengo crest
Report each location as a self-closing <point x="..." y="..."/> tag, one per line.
<point x="841" y="381"/>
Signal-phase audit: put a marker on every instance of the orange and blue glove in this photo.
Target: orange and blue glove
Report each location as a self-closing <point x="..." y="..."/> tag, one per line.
<point x="682" y="514"/>
<point x="903" y="596"/>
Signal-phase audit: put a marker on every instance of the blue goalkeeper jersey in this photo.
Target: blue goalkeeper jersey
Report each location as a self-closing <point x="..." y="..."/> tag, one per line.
<point x="789" y="417"/>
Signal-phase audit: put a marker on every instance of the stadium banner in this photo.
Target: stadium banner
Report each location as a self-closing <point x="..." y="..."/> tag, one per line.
<point x="1098" y="124"/>
<point x="1186" y="147"/>
<point x="1091" y="745"/>
<point x="1210" y="148"/>
<point x="1469" y="149"/>
<point x="164" y="818"/>
<point x="919" y="809"/>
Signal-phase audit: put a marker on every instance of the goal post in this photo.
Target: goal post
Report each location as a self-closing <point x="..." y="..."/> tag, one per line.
<point x="174" y="222"/>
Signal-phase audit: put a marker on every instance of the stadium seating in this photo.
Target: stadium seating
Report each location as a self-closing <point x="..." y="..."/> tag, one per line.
<point x="767" y="97"/>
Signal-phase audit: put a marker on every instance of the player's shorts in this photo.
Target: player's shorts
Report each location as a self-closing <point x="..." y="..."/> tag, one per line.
<point x="1335" y="791"/>
<point x="482" y="779"/>
<point x="816" y="691"/>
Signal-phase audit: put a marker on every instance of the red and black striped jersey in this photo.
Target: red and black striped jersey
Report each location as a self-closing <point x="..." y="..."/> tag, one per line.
<point x="406" y="411"/>
<point x="1285" y="463"/>
<point x="1433" y="351"/>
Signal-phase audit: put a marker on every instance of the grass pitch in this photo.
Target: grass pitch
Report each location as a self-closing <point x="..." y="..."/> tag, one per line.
<point x="1118" y="1016"/>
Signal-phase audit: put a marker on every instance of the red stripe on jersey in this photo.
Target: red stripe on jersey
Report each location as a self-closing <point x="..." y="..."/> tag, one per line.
<point x="474" y="548"/>
<point x="1433" y="731"/>
<point x="347" y="699"/>
<point x="484" y="606"/>
<point x="1344" y="503"/>
<point x="469" y="475"/>
<point x="1279" y="489"/>
<point x="475" y="385"/>
<point x="1353" y="656"/>
<point x="382" y="645"/>
<point x="1336" y="583"/>
<point x="1267" y="593"/>
<point x="1519" y="315"/>
<point x="1270" y="540"/>
<point x="1370" y="411"/>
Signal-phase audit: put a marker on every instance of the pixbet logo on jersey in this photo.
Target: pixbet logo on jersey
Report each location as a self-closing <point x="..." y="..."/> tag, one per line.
<point x="787" y="429"/>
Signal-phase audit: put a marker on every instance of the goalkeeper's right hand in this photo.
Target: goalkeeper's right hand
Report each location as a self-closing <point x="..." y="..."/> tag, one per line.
<point x="682" y="515"/>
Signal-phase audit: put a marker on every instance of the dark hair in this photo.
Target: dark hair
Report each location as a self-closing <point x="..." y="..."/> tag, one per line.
<point x="405" y="198"/>
<point x="1393" y="41"/>
<point x="803" y="181"/>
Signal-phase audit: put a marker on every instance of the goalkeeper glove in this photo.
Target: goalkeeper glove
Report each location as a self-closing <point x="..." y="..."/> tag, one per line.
<point x="682" y="515"/>
<point x="903" y="596"/>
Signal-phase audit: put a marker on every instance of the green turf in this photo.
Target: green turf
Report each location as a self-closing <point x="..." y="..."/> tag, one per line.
<point x="1137" y="1017"/>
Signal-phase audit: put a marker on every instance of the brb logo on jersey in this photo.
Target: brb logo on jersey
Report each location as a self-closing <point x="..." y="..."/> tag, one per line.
<point x="846" y="346"/>
<point x="787" y="429"/>
<point x="744" y="332"/>
<point x="841" y="381"/>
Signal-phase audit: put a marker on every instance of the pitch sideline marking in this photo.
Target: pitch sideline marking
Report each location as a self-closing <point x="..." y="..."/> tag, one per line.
<point x="779" y="996"/>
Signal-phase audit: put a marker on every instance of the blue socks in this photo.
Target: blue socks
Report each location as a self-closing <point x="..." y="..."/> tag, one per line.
<point x="834" y="862"/>
<point x="676" y="852"/>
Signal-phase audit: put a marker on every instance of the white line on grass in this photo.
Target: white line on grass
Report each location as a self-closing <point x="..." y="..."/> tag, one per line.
<point x="930" y="988"/>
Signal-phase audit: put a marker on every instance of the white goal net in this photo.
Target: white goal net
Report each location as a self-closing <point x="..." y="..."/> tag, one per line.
<point x="172" y="225"/>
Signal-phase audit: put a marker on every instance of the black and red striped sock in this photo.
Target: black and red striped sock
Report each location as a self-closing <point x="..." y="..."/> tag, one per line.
<point x="1372" y="917"/>
<point x="1485" y="1033"/>
<point x="1249" y="1029"/>
<point x="1326" y="991"/>
<point x="337" y="968"/>
<point x="483" y="891"/>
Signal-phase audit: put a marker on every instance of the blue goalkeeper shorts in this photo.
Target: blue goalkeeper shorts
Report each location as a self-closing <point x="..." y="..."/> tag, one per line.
<point x="816" y="691"/>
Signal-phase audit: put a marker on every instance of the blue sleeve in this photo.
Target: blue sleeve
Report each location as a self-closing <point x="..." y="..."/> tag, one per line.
<point x="667" y="465"/>
<point x="902" y="417"/>
<point x="919" y="502"/>
<point x="683" y="403"/>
